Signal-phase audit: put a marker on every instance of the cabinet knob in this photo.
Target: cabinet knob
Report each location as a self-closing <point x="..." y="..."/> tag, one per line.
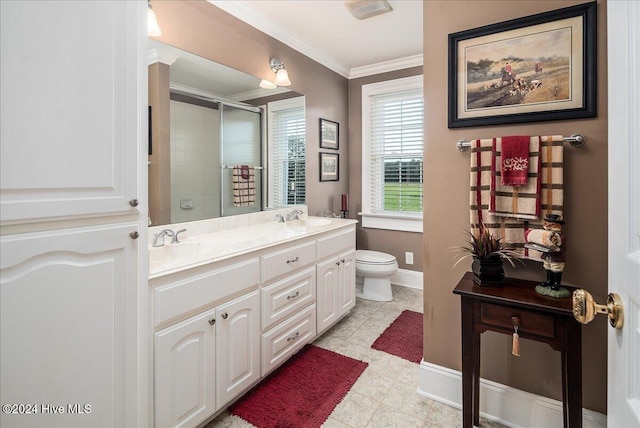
<point x="212" y="321"/>
<point x="133" y="202"/>
<point x="134" y="235"/>
<point x="225" y="316"/>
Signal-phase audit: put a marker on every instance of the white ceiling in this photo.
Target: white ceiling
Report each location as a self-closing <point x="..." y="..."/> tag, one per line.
<point x="325" y="31"/>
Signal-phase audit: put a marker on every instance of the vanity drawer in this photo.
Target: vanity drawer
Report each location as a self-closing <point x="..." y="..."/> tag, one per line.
<point x="182" y="296"/>
<point x="530" y="322"/>
<point x="336" y="243"/>
<point x="284" y="340"/>
<point x="285" y="297"/>
<point x="287" y="260"/>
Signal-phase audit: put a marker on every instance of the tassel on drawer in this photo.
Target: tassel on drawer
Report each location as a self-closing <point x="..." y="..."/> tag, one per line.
<point x="515" y="348"/>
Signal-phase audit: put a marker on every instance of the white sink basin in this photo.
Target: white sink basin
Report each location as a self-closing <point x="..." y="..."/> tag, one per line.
<point x="181" y="250"/>
<point x="308" y="222"/>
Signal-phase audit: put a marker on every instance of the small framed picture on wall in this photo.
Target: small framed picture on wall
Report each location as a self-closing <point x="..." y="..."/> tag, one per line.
<point x="329" y="138"/>
<point x="329" y="167"/>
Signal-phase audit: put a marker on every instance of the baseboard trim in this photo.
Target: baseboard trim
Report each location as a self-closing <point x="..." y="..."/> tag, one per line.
<point x="499" y="403"/>
<point x="407" y="278"/>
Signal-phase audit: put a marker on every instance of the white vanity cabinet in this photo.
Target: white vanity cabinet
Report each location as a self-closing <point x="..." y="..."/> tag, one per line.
<point x="237" y="346"/>
<point x="185" y="372"/>
<point x="221" y="326"/>
<point x="336" y="280"/>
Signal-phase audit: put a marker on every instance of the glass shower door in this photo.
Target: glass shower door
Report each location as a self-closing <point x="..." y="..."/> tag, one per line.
<point x="241" y="153"/>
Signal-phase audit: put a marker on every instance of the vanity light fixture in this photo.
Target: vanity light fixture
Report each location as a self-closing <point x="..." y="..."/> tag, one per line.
<point x="153" y="29"/>
<point x="282" y="77"/>
<point x="265" y="84"/>
<point x="363" y="9"/>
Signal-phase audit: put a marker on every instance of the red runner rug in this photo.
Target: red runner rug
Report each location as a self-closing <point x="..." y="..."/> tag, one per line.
<point x="403" y="337"/>
<point x="302" y="392"/>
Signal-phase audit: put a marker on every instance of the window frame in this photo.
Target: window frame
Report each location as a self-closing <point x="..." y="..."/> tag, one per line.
<point x="390" y="220"/>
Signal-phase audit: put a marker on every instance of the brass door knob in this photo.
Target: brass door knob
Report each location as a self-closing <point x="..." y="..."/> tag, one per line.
<point x="585" y="308"/>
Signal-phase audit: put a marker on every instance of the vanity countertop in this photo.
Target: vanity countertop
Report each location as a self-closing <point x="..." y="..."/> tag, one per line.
<point x="193" y="251"/>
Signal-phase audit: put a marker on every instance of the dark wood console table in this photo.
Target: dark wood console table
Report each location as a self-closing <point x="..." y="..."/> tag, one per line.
<point x="543" y="319"/>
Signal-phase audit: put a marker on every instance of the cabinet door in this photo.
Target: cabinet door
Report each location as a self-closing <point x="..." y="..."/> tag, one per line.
<point x="328" y="283"/>
<point x="237" y="346"/>
<point x="347" y="281"/>
<point x="71" y="119"/>
<point x="68" y="320"/>
<point x="185" y="372"/>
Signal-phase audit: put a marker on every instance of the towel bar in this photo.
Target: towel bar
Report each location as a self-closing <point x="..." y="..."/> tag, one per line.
<point x="231" y="167"/>
<point x="576" y="140"/>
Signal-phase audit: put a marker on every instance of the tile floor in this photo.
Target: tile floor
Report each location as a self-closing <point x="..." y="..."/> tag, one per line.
<point x="385" y="395"/>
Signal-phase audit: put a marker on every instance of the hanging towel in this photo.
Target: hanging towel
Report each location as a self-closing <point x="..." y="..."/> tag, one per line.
<point x="244" y="185"/>
<point x="514" y="162"/>
<point x="521" y="202"/>
<point x="511" y="230"/>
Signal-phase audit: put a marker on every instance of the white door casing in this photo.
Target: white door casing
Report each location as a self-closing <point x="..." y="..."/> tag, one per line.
<point x="623" y="384"/>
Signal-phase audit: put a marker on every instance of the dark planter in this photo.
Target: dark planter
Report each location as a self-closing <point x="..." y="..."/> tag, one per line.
<point x="487" y="271"/>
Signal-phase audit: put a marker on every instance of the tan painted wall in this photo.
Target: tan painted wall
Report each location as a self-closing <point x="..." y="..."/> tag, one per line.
<point x="159" y="160"/>
<point x="391" y="242"/>
<point x="203" y="29"/>
<point x="447" y="212"/>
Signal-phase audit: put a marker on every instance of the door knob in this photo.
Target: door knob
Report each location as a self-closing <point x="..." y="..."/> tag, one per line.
<point x="585" y="308"/>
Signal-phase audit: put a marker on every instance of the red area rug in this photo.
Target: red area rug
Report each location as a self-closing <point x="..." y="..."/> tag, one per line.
<point x="302" y="392"/>
<point x="403" y="337"/>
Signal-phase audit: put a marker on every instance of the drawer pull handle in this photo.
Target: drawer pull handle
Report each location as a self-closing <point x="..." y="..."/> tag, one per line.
<point x="515" y="348"/>
<point x="225" y="316"/>
<point x="212" y="321"/>
<point x="337" y="263"/>
<point x="294" y="337"/>
<point x="293" y="260"/>
<point x="294" y="296"/>
<point x="341" y="260"/>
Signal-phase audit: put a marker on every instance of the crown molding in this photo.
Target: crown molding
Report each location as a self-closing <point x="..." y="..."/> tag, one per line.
<point x="248" y="15"/>
<point x="154" y="56"/>
<point x="386" y="66"/>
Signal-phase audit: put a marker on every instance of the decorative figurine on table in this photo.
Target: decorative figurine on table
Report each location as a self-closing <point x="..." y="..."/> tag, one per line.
<point x="553" y="245"/>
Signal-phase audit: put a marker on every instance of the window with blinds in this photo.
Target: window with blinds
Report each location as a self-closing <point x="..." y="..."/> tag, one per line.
<point x="287" y="147"/>
<point x="392" y="154"/>
<point x="395" y="154"/>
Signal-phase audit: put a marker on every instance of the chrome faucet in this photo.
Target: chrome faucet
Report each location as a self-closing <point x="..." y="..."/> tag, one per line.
<point x="294" y="215"/>
<point x="158" y="239"/>
<point x="175" y="239"/>
<point x="280" y="218"/>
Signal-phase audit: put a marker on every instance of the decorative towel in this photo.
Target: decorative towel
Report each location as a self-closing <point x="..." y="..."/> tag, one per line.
<point x="545" y="238"/>
<point x="514" y="163"/>
<point x="244" y="186"/>
<point x="521" y="202"/>
<point x="511" y="230"/>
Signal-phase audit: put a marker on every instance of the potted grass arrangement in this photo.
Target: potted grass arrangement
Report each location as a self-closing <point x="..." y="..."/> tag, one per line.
<point x="488" y="253"/>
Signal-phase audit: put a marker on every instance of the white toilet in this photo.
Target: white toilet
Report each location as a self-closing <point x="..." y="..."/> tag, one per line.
<point x="373" y="272"/>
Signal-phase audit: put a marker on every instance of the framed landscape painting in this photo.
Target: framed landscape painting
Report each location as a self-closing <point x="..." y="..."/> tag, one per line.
<point x="537" y="68"/>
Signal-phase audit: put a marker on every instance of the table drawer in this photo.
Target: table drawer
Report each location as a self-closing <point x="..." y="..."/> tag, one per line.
<point x="288" y="260"/>
<point x="285" y="297"/>
<point x="284" y="340"/>
<point x="530" y="321"/>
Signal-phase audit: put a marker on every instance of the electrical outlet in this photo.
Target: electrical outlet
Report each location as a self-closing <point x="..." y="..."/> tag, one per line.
<point x="408" y="258"/>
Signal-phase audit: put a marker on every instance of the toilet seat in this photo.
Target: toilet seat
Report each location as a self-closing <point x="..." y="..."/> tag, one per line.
<point x="368" y="257"/>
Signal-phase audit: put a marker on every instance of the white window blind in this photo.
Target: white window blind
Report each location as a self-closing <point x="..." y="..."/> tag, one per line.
<point x="396" y="134"/>
<point x="287" y="142"/>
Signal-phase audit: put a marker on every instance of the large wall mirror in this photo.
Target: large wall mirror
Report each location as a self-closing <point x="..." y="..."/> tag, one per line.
<point x="219" y="144"/>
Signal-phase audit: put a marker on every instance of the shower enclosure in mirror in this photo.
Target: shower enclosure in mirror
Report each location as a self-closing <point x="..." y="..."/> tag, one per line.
<point x="221" y="146"/>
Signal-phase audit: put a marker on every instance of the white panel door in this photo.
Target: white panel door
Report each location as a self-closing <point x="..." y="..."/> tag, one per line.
<point x="347" y="281"/>
<point x="237" y="346"/>
<point x="623" y="402"/>
<point x="69" y="115"/>
<point x="69" y="327"/>
<point x="328" y="294"/>
<point x="185" y="372"/>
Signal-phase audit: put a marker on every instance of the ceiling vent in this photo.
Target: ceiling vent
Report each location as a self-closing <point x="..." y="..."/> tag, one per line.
<point x="363" y="9"/>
